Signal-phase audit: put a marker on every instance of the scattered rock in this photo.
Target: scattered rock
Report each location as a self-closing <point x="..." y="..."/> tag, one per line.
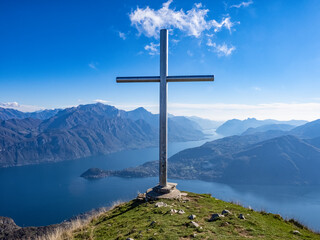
<point x="160" y="204"/>
<point x="215" y="217"/>
<point x="191" y="217"/>
<point x="224" y="224"/>
<point x="194" y="224"/>
<point x="194" y="235"/>
<point x="141" y="196"/>
<point x="130" y="239"/>
<point x="226" y="212"/>
<point x="152" y="223"/>
<point x="181" y="211"/>
<point x="241" y="216"/>
<point x="296" y="232"/>
<point x="173" y="211"/>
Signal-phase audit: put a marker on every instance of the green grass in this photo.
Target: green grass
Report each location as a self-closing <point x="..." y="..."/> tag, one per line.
<point x="134" y="220"/>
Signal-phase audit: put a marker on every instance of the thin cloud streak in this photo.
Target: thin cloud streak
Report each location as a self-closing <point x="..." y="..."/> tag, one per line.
<point x="20" y="107"/>
<point x="92" y="65"/>
<point x="221" y="49"/>
<point x="101" y="101"/>
<point x="220" y="111"/>
<point x="242" y="4"/>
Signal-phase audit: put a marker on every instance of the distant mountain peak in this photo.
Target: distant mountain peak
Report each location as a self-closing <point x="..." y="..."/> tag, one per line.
<point x="142" y="109"/>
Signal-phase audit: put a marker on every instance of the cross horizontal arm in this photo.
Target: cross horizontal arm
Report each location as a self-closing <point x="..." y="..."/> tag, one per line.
<point x="192" y="78"/>
<point x="138" y="79"/>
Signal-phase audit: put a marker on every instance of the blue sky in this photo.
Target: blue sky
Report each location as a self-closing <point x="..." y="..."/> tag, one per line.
<point x="265" y="55"/>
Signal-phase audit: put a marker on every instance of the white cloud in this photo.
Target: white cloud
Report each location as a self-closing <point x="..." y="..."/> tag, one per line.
<point x="10" y="105"/>
<point x="101" y="101"/>
<point x="122" y="35"/>
<point x="149" y="21"/>
<point x="221" y="49"/>
<point x="152" y="48"/>
<point x="22" y="108"/>
<point x="242" y="4"/>
<point x="93" y="66"/>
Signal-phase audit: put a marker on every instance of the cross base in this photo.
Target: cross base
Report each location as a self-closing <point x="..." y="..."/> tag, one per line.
<point x="159" y="192"/>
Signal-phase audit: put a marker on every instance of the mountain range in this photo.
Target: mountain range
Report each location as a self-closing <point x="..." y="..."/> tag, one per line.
<point x="271" y="157"/>
<point x="8" y="113"/>
<point x="238" y="127"/>
<point x="82" y="131"/>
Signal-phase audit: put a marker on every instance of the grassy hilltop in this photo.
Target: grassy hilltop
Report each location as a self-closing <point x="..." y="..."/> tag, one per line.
<point x="144" y="220"/>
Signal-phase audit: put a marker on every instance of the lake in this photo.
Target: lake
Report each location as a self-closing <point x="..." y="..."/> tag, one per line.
<point x="45" y="194"/>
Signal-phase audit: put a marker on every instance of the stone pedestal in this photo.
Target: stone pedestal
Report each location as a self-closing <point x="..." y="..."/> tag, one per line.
<point x="168" y="192"/>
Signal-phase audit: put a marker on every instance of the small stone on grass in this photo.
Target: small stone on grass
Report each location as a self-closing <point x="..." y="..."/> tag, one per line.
<point x="226" y="212"/>
<point x="173" y="211"/>
<point x="215" y="217"/>
<point x="194" y="224"/>
<point x="160" y="204"/>
<point x="153" y="223"/>
<point x="181" y="211"/>
<point x="296" y="232"/>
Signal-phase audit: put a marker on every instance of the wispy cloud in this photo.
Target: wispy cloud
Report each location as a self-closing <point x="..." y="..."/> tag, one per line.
<point x="152" y="48"/>
<point x="20" y="107"/>
<point x="221" y="49"/>
<point x="175" y="41"/>
<point x="101" y="101"/>
<point x="221" y="111"/>
<point x="281" y="111"/>
<point x="9" y="105"/>
<point x="189" y="53"/>
<point x="242" y="4"/>
<point x="93" y="66"/>
<point x="122" y="35"/>
<point x="193" y="22"/>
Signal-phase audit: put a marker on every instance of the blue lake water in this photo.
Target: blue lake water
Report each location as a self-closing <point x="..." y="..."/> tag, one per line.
<point x="50" y="193"/>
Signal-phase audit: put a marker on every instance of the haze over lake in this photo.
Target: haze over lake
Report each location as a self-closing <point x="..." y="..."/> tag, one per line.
<point x="50" y="193"/>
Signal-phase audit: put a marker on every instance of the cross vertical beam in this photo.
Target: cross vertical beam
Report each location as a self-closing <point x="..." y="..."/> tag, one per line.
<point x="163" y="108"/>
<point x="162" y="190"/>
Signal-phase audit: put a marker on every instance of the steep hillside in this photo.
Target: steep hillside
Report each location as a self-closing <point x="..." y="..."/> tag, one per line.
<point x="265" y="128"/>
<point x="308" y="130"/>
<point x="179" y="128"/>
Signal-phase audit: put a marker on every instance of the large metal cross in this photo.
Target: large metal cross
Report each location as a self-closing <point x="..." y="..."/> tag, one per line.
<point x="164" y="79"/>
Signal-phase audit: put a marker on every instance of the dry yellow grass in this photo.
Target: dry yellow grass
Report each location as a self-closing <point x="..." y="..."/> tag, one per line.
<point x="65" y="231"/>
